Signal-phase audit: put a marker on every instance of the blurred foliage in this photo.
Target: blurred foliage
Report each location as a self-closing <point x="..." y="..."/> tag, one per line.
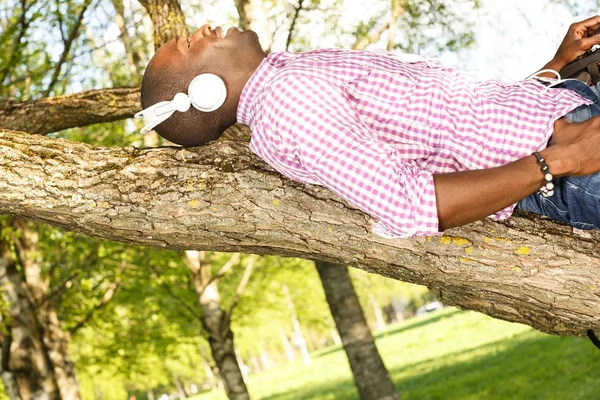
<point x="583" y="9"/>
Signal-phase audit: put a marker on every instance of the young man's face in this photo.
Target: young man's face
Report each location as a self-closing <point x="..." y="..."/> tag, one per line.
<point x="219" y="51"/>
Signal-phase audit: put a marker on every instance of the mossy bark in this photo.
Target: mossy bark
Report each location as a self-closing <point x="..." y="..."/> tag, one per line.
<point x="168" y="20"/>
<point x="222" y="197"/>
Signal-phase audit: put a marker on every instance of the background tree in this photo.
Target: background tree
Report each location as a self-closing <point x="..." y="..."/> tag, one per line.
<point x="371" y="376"/>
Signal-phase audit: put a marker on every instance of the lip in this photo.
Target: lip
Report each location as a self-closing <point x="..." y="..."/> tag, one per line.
<point x="218" y="31"/>
<point x="231" y="30"/>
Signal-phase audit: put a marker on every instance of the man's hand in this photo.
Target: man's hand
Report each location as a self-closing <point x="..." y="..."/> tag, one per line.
<point x="580" y="37"/>
<point x="575" y="149"/>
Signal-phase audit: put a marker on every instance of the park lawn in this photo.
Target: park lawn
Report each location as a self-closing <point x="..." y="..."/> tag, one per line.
<point x="451" y="354"/>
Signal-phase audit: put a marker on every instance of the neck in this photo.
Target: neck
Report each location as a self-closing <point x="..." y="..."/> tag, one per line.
<point x="237" y="83"/>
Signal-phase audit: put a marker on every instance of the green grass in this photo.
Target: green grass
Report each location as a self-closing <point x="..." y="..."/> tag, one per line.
<point x="451" y="354"/>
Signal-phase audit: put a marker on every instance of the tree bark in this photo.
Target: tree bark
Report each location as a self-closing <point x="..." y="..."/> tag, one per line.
<point x="52" y="114"/>
<point x="10" y="385"/>
<point x="168" y="20"/>
<point x="216" y="322"/>
<point x="370" y="375"/>
<point x="222" y="197"/>
<point x="26" y="368"/>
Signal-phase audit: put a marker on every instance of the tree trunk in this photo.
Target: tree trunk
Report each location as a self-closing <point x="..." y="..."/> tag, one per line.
<point x="10" y="385"/>
<point x="210" y="377"/>
<point x="221" y="345"/>
<point x="297" y="334"/>
<point x="168" y="20"/>
<point x="287" y="347"/>
<point x="133" y="57"/>
<point x="224" y="198"/>
<point x="56" y="340"/>
<point x="216" y="322"/>
<point x="242" y="365"/>
<point x="180" y="388"/>
<point x="379" y="321"/>
<point x="335" y="336"/>
<point x="26" y="368"/>
<point x="370" y="375"/>
<point x="265" y="360"/>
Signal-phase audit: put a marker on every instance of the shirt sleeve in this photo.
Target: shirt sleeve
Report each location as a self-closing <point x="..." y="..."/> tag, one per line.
<point x="316" y="125"/>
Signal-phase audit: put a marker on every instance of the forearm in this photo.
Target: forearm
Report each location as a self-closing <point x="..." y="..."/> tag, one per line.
<point x="556" y="65"/>
<point x="468" y="196"/>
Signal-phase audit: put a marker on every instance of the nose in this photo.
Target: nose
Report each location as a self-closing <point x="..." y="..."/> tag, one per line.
<point x="204" y="31"/>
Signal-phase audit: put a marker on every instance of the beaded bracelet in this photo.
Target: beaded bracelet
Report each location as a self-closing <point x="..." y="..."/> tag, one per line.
<point x="548" y="189"/>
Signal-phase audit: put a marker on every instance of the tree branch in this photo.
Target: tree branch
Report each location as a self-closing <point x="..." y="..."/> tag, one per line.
<point x="297" y="10"/>
<point x="108" y="295"/>
<point x="133" y="57"/>
<point x="233" y="260"/>
<point x="67" y="48"/>
<point x="361" y="42"/>
<point x="60" y="21"/>
<point x="190" y="310"/>
<point x="242" y="285"/>
<point x="58" y="290"/>
<point x="53" y="114"/>
<point x="24" y="24"/>
<point x="223" y="198"/>
<point x="196" y="265"/>
<point x="225" y="268"/>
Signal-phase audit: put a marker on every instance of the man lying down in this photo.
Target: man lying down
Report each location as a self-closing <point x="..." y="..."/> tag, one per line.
<point x="418" y="146"/>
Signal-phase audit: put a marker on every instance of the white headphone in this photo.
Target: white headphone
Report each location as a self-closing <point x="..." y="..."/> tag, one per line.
<point x="206" y="93"/>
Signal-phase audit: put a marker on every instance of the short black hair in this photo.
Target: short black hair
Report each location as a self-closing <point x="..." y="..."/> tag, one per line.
<point x="190" y="128"/>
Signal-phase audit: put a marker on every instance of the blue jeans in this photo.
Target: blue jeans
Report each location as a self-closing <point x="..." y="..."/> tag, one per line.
<point x="576" y="200"/>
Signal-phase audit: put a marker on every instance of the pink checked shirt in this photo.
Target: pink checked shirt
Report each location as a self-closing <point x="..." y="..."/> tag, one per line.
<point x="374" y="129"/>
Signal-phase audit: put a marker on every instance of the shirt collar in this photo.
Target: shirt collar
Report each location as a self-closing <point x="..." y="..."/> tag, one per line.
<point x="262" y="76"/>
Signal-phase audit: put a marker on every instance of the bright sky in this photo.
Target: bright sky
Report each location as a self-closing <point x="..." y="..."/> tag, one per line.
<point x="515" y="38"/>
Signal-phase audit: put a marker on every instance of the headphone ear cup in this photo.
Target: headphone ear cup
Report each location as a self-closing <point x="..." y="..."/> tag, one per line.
<point x="207" y="92"/>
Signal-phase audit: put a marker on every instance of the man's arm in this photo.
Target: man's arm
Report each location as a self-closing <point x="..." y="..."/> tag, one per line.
<point x="580" y="37"/>
<point x="468" y="196"/>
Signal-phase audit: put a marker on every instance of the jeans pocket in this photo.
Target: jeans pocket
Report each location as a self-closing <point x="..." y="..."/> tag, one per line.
<point x="582" y="196"/>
